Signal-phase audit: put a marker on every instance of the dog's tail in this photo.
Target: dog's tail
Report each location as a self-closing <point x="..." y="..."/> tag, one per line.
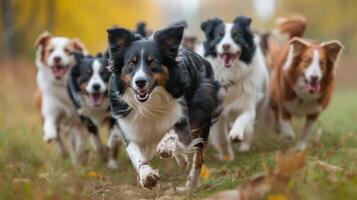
<point x="38" y="100"/>
<point x="293" y="26"/>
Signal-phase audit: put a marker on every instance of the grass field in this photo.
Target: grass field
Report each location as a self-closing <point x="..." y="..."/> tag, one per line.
<point x="31" y="169"/>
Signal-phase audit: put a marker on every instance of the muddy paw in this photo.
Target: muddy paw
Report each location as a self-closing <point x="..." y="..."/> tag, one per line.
<point x="167" y="146"/>
<point x="235" y="137"/>
<point x="149" y="178"/>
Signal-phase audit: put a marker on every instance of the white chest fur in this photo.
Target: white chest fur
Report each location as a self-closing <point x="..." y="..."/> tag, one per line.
<point x="147" y="122"/>
<point x="300" y="108"/>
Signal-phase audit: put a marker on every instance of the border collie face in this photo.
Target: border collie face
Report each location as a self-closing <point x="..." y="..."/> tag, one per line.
<point x="309" y="64"/>
<point x="92" y="78"/>
<point x="229" y="41"/>
<point x="143" y="62"/>
<point x="55" y="52"/>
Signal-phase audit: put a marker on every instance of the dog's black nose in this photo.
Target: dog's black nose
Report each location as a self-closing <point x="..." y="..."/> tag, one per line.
<point x="314" y="79"/>
<point x="141" y="83"/>
<point x="226" y="47"/>
<point x="57" y="59"/>
<point x="96" y="87"/>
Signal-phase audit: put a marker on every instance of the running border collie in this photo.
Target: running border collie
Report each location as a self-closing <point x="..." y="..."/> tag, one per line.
<point x="88" y="89"/>
<point x="239" y="66"/>
<point x="163" y="97"/>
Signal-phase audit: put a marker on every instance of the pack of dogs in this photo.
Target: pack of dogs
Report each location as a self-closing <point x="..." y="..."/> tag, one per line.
<point x="165" y="93"/>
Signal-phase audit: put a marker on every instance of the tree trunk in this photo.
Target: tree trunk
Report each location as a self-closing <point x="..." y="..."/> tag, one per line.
<point x="8" y="36"/>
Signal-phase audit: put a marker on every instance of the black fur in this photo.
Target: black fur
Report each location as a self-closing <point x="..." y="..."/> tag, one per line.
<point x="189" y="75"/>
<point x="241" y="34"/>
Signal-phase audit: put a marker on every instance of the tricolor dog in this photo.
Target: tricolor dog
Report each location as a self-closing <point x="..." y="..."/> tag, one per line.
<point x="162" y="96"/>
<point x="88" y="89"/>
<point x="302" y="84"/>
<point x="54" y="63"/>
<point x="239" y="66"/>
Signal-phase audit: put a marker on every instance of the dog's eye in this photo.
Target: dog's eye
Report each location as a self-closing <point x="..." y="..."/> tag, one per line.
<point x="307" y="61"/>
<point x="221" y="33"/>
<point x="151" y="62"/>
<point x="51" y="50"/>
<point x="66" y="50"/>
<point x="322" y="62"/>
<point x="131" y="64"/>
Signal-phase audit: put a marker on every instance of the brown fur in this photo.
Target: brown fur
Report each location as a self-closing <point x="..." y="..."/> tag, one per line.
<point x="282" y="82"/>
<point x="38" y="100"/>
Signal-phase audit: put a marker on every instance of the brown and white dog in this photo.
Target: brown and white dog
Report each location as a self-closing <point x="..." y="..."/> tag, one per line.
<point x="302" y="84"/>
<point x="54" y="62"/>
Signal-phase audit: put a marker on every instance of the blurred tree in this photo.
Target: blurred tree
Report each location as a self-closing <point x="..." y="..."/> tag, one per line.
<point x="8" y="33"/>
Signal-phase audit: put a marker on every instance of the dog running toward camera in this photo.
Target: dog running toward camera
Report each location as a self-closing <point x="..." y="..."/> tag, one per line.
<point x="162" y="96"/>
<point x="60" y="120"/>
<point x="88" y="89"/>
<point x="239" y="66"/>
<point x="302" y="83"/>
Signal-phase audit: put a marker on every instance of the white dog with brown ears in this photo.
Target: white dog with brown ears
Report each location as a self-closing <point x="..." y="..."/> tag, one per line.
<point x="54" y="62"/>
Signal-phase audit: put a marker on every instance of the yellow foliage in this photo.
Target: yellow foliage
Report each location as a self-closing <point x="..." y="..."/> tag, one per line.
<point x="94" y="174"/>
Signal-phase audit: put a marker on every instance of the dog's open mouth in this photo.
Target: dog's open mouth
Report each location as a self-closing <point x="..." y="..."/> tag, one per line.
<point x="229" y="58"/>
<point x="96" y="98"/>
<point x="143" y="95"/>
<point x="312" y="86"/>
<point x="59" y="71"/>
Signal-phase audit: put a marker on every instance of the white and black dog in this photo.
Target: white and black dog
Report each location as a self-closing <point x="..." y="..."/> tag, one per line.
<point x="239" y="66"/>
<point x="163" y="96"/>
<point x="54" y="63"/>
<point x="88" y="89"/>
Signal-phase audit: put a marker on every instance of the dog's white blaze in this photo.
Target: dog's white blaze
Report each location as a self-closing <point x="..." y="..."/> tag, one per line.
<point x="227" y="39"/>
<point x="314" y="69"/>
<point x="140" y="74"/>
<point x="96" y="78"/>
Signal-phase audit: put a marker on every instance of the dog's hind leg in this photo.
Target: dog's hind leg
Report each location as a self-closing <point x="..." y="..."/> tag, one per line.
<point x="219" y="140"/>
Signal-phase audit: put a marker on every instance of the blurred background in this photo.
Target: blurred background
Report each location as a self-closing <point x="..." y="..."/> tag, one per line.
<point x="22" y="21"/>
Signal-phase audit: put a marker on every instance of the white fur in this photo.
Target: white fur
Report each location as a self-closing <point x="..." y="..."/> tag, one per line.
<point x="96" y="79"/>
<point x="57" y="109"/>
<point x="314" y="69"/>
<point x="249" y="89"/>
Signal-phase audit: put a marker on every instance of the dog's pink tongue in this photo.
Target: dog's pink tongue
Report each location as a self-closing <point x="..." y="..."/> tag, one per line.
<point x="96" y="99"/>
<point x="58" y="71"/>
<point x="313" y="87"/>
<point x="228" y="59"/>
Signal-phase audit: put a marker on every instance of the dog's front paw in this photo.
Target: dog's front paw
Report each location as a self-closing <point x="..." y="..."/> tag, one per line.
<point x="236" y="136"/>
<point x="50" y="135"/>
<point x="149" y="178"/>
<point x="167" y="146"/>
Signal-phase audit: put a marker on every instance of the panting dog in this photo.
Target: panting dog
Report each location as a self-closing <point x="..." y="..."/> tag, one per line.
<point x="239" y="66"/>
<point x="302" y="84"/>
<point x="54" y="63"/>
<point x="164" y="97"/>
<point x="88" y="89"/>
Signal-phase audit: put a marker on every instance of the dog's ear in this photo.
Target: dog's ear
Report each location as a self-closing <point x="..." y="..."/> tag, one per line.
<point x="169" y="40"/>
<point x="209" y="26"/>
<point x="77" y="45"/>
<point x="99" y="55"/>
<point x="243" y="20"/>
<point x="333" y="49"/>
<point x="119" y="38"/>
<point x="298" y="45"/>
<point x="42" y="39"/>
<point x="78" y="56"/>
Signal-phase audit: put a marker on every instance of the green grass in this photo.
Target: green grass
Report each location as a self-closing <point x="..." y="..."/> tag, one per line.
<point x="31" y="169"/>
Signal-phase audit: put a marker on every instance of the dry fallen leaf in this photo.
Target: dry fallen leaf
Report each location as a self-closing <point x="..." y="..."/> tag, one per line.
<point x="204" y="172"/>
<point x="93" y="174"/>
<point x="276" y="197"/>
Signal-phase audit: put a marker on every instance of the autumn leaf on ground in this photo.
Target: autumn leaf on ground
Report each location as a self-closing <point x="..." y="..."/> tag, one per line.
<point x="93" y="174"/>
<point x="204" y="172"/>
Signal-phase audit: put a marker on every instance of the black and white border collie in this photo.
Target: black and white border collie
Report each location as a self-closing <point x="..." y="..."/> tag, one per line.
<point x="162" y="96"/>
<point x="239" y="66"/>
<point x="88" y="89"/>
